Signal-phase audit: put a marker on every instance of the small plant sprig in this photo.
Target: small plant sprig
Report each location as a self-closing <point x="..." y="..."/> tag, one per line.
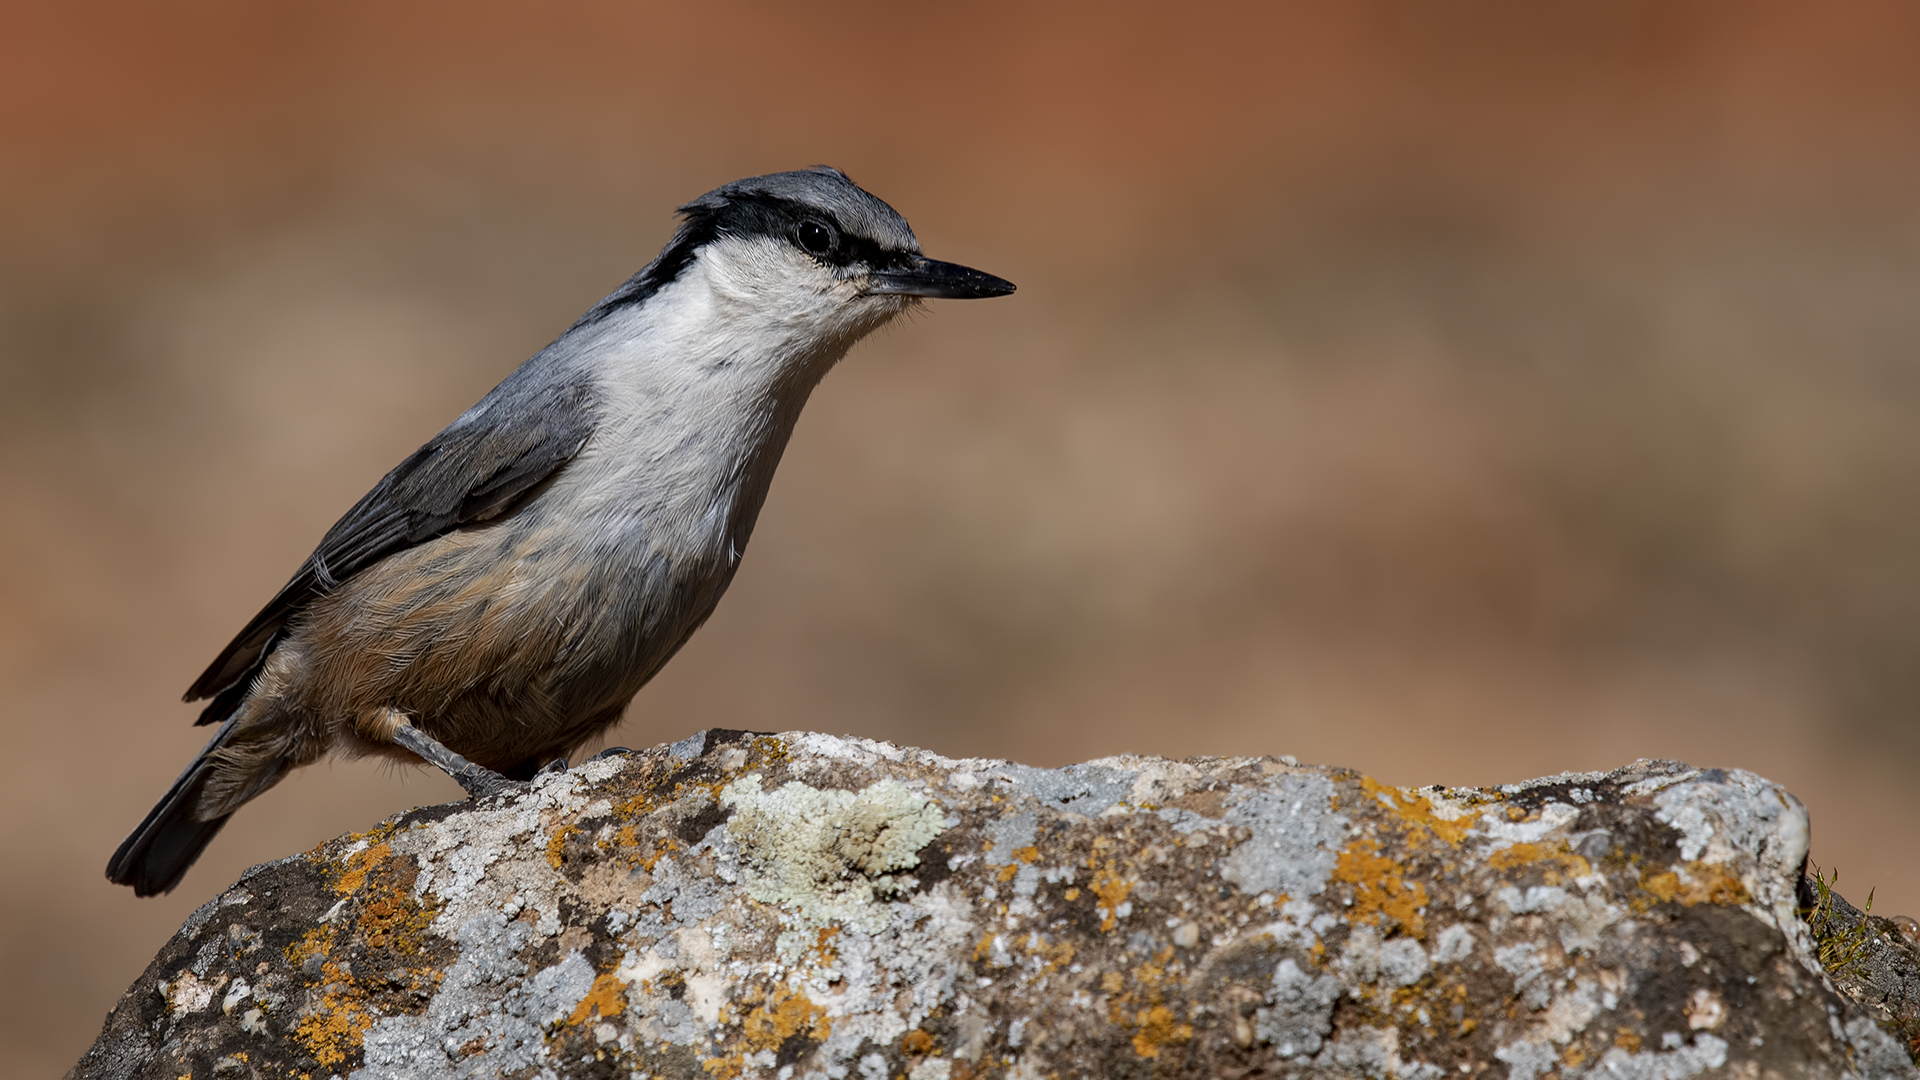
<point x="1842" y="949"/>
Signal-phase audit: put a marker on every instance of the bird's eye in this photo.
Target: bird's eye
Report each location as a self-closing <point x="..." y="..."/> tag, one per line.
<point x="817" y="238"/>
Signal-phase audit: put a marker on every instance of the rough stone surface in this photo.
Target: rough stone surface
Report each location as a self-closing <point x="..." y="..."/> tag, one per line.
<point x="1873" y="961"/>
<point x="806" y="906"/>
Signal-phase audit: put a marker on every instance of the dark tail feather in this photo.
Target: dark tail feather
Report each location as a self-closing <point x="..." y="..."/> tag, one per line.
<point x="157" y="855"/>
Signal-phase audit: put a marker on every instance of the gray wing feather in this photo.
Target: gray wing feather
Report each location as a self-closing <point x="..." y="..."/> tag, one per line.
<point x="475" y="470"/>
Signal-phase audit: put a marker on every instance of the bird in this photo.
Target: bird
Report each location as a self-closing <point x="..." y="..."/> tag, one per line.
<point x="498" y="598"/>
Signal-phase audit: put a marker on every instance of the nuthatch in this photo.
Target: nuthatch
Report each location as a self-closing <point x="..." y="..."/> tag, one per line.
<point x="497" y="599"/>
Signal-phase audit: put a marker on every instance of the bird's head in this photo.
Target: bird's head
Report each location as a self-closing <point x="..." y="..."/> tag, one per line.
<point x="807" y="258"/>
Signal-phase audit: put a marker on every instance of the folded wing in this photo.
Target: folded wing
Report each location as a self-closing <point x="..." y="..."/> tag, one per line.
<point x="477" y="469"/>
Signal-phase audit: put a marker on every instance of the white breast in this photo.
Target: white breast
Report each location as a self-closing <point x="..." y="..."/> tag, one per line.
<point x="699" y="388"/>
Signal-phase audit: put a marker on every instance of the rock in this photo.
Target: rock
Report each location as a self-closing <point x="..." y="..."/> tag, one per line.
<point x="805" y="906"/>
<point x="1873" y="961"/>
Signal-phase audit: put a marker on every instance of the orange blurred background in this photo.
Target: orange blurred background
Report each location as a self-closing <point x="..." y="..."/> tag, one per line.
<point x="1458" y="392"/>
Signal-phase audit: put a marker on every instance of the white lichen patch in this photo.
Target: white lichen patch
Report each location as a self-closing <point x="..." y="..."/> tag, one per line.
<point x="1676" y="1060"/>
<point x="456" y="856"/>
<point x="1553" y="817"/>
<point x="826" y="854"/>
<point x="1746" y="823"/>
<point x="1295" y="836"/>
<point x="1369" y="961"/>
<point x="1298" y="1014"/>
<point x="1447" y="806"/>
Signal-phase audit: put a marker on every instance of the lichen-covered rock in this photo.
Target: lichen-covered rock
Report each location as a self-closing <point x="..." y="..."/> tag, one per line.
<point x="1872" y="961"/>
<point x="806" y="906"/>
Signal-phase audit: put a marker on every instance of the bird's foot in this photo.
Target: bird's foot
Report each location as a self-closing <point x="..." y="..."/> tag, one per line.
<point x="481" y="782"/>
<point x="612" y="751"/>
<point x="478" y="780"/>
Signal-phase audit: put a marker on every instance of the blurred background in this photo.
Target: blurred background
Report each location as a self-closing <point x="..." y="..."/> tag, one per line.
<point x="1458" y="392"/>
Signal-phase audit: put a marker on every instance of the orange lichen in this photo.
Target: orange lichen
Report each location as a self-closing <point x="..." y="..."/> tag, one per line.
<point x="1055" y="956"/>
<point x="1159" y="1028"/>
<point x="1518" y="855"/>
<point x="557" y="846"/>
<point x="777" y="1015"/>
<point x="314" y="943"/>
<point x="638" y="805"/>
<point x="1112" y="890"/>
<point x="1153" y="972"/>
<point x="1026" y="854"/>
<point x="917" y="1043"/>
<point x="667" y="846"/>
<point x="1379" y="889"/>
<point x="340" y="1009"/>
<point x="393" y="919"/>
<point x="334" y="1026"/>
<point x="648" y="801"/>
<point x="1416" y="813"/>
<point x="765" y="750"/>
<point x="1697" y="882"/>
<point x="354" y="872"/>
<point x="1457" y="996"/>
<point x="1143" y="1008"/>
<point x="783" y="1015"/>
<point x="625" y="845"/>
<point x="1568" y="864"/>
<point x="390" y="917"/>
<point x="606" y="1000"/>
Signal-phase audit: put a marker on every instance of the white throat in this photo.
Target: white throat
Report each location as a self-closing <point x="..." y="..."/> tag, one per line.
<point x="701" y="385"/>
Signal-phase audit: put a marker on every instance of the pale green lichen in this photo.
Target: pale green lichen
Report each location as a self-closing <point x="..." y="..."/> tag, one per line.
<point x="826" y="854"/>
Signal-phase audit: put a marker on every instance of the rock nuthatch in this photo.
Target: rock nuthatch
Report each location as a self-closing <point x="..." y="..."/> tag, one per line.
<point x="497" y="599"/>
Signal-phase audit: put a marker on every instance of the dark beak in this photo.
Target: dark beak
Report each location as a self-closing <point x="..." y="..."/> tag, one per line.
<point x="938" y="280"/>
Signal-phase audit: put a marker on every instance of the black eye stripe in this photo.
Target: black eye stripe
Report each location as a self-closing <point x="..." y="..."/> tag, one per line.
<point x="770" y="216"/>
<point x="831" y="245"/>
<point x="859" y="249"/>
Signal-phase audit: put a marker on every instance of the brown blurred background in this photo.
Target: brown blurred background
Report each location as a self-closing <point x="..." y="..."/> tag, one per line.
<point x="1459" y="392"/>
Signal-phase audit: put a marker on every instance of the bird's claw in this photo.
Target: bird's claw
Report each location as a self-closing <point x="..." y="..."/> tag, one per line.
<point x="481" y="783"/>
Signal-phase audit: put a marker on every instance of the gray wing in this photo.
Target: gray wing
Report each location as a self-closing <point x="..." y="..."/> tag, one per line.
<point x="475" y="470"/>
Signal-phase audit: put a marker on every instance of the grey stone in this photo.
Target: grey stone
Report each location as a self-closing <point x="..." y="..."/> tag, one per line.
<point x="802" y="906"/>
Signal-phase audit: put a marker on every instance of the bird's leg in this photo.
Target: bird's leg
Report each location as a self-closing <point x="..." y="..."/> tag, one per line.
<point x="479" y="781"/>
